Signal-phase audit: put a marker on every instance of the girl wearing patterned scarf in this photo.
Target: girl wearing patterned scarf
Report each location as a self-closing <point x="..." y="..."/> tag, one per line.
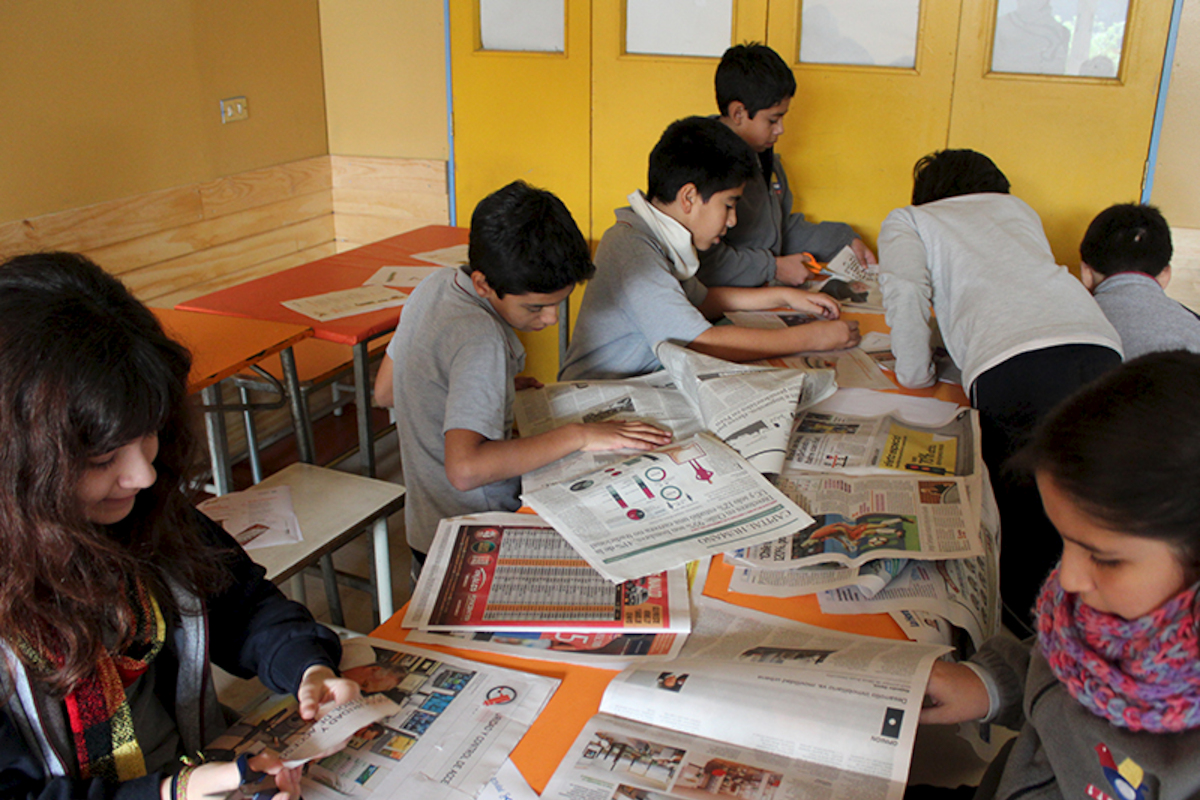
<point x="115" y="592"/>
<point x="1106" y="696"/>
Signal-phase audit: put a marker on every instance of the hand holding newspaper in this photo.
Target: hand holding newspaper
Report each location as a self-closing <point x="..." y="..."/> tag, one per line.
<point x="327" y="734"/>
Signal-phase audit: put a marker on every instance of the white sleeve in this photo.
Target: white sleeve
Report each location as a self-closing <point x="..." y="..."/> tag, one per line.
<point x="907" y="293"/>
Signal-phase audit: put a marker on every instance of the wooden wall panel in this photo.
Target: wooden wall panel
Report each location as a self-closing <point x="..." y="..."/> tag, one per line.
<point x="374" y="198"/>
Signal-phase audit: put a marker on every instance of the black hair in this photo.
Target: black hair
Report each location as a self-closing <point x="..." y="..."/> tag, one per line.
<point x="1126" y="449"/>
<point x="524" y="240"/>
<point x="1127" y="238"/>
<point x="85" y="369"/>
<point x="754" y="75"/>
<point x="701" y="151"/>
<point x="951" y="173"/>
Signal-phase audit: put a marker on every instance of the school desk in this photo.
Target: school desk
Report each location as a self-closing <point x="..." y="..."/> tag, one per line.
<point x="220" y="347"/>
<point x="262" y="299"/>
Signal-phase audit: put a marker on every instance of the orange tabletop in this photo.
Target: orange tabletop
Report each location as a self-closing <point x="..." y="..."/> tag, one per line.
<point x="223" y="346"/>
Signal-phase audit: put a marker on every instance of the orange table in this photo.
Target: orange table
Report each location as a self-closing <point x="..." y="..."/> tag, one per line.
<point x="262" y="299"/>
<point x="221" y="346"/>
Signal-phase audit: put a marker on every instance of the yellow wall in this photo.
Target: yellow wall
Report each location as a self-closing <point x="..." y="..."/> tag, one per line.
<point x="1177" y="175"/>
<point x="109" y="99"/>
<point x="385" y="87"/>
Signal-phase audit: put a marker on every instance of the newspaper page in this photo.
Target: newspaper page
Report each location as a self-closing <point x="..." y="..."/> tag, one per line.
<point x="502" y="572"/>
<point x="664" y="507"/>
<point x="256" y="517"/>
<point x="831" y="442"/>
<point x="853" y="368"/>
<point x="964" y="591"/>
<point x="458" y="722"/>
<point x="751" y="409"/>
<point x="766" y="710"/>
<point x="453" y="256"/>
<point x="346" y="302"/>
<point x="604" y="650"/>
<point x="400" y="277"/>
<point x="868" y="578"/>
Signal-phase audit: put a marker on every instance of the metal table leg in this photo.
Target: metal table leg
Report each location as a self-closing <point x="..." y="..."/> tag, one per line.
<point x="383" y="568"/>
<point x="218" y="443"/>
<point x="362" y="402"/>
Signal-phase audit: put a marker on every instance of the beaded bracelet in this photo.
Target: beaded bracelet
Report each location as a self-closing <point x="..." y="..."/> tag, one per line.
<point x="179" y="780"/>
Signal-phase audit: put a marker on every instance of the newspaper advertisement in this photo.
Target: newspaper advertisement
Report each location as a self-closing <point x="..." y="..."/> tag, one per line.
<point x="860" y="519"/>
<point x="514" y="572"/>
<point x="831" y="442"/>
<point x="964" y="591"/>
<point x="664" y="507"/>
<point x="458" y="721"/>
<point x="648" y="398"/>
<point x="751" y="409"/>
<point x="765" y="710"/>
<point x="869" y="578"/>
<point x="604" y="650"/>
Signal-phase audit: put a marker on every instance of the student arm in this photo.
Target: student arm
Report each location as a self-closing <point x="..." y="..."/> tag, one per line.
<point x="383" y="383"/>
<point x="907" y="291"/>
<point x="734" y="343"/>
<point x="955" y="693"/>
<point x="473" y="460"/>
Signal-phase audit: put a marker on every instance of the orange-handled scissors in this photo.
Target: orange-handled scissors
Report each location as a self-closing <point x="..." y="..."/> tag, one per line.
<point x="811" y="263"/>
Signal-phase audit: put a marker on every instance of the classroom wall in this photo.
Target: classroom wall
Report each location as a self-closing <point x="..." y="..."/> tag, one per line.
<point x="113" y="99"/>
<point x="385" y="83"/>
<point x="1178" y="170"/>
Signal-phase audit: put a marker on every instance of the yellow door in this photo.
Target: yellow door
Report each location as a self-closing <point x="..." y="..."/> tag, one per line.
<point x="635" y="97"/>
<point x="853" y="133"/>
<point x="523" y="115"/>
<point x="1071" y="146"/>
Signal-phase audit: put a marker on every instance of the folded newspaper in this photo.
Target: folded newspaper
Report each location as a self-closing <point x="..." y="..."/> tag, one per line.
<point x="665" y="507"/>
<point x="449" y="726"/>
<point x="781" y="710"/>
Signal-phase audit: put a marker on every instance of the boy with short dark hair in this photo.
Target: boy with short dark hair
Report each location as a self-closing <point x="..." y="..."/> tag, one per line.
<point x="646" y="291"/>
<point x="1126" y="264"/>
<point x="754" y="91"/>
<point x="452" y="368"/>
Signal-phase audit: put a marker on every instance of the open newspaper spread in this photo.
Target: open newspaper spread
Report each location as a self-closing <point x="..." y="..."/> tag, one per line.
<point x="662" y="508"/>
<point x="514" y="572"/>
<point x="456" y="725"/>
<point x="768" y="709"/>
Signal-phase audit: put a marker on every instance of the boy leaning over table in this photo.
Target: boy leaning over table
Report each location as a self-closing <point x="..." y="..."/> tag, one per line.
<point x="451" y="370"/>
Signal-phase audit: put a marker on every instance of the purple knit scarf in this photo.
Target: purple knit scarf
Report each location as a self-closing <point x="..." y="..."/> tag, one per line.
<point x="1141" y="674"/>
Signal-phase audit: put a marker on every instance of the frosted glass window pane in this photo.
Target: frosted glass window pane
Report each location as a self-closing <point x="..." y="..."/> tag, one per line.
<point x="875" y="32"/>
<point x="1060" y="37"/>
<point x="679" y="27"/>
<point x="536" y="25"/>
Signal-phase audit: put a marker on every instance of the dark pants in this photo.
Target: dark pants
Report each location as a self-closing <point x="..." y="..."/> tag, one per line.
<point x="1012" y="398"/>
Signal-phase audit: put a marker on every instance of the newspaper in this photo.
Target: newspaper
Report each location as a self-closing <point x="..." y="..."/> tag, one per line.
<point x="662" y="508"/>
<point x="964" y="591"/>
<point x="453" y="256"/>
<point x="256" y="517"/>
<point x="766" y="709"/>
<point x="513" y="572"/>
<point x="399" y="277"/>
<point x="458" y="721"/>
<point x="853" y="367"/>
<point x="868" y="578"/>
<point x="346" y="302"/>
<point x="832" y="442"/>
<point x="604" y="650"/>
<point x="863" y="518"/>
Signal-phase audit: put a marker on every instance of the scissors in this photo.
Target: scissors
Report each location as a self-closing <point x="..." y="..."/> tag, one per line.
<point x="811" y="264"/>
<point x="254" y="785"/>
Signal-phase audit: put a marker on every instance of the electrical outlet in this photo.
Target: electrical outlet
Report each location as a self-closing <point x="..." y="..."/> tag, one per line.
<point x="234" y="109"/>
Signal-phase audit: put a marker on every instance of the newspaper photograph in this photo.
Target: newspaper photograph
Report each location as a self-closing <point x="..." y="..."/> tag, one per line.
<point x="752" y="409"/>
<point x="662" y="508"/>
<point x="829" y="442"/>
<point x="457" y="723"/>
<point x="501" y="572"/>
<point x="859" y="519"/>
<point x="604" y="650"/>
<point x="767" y="711"/>
<point x="965" y="591"/>
<point x="868" y="578"/>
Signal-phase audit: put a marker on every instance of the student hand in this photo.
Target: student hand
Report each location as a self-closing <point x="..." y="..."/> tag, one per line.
<point x="954" y="694"/>
<point x="790" y="270"/>
<point x="527" y="382"/>
<point x="617" y="435"/>
<point x="219" y="778"/>
<point x="863" y="252"/>
<point x="321" y="689"/>
<point x="814" y="303"/>
<point x="832" y="335"/>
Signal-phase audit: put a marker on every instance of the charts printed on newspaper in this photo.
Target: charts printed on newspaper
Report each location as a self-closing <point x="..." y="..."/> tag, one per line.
<point x="456" y="725"/>
<point x="514" y="572"/>
<point x="662" y="508"/>
<point x="767" y="709"/>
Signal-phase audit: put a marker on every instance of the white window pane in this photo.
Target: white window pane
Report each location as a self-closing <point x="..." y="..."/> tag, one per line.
<point x="679" y="27"/>
<point x="1060" y="37"/>
<point x="876" y="32"/>
<point x="536" y="25"/>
